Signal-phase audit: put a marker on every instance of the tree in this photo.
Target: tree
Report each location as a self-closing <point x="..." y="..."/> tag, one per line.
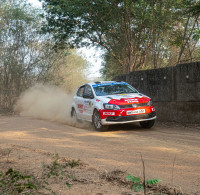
<point x="26" y="54"/>
<point x="130" y="31"/>
<point x="194" y="9"/>
<point x="18" y="43"/>
<point x="68" y="71"/>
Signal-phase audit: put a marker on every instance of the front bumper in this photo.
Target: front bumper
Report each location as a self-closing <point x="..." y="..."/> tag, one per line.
<point x="128" y="119"/>
<point x="109" y="117"/>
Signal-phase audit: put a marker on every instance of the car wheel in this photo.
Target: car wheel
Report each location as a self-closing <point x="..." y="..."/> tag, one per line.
<point x="147" y="124"/>
<point x="96" y="121"/>
<point x="73" y="115"/>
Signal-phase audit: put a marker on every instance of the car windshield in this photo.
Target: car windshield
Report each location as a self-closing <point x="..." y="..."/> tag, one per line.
<point x="113" y="88"/>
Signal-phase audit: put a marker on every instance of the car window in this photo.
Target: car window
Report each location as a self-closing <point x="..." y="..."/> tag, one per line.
<point x="88" y="91"/>
<point x="80" y="91"/>
<point x="109" y="89"/>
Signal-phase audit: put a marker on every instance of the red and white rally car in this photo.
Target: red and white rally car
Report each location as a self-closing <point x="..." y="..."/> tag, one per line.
<point x="110" y="102"/>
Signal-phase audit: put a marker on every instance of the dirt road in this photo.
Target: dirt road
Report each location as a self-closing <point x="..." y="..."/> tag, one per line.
<point x="171" y="152"/>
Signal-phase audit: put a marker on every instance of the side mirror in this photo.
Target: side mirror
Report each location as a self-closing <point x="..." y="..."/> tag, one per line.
<point x="88" y="96"/>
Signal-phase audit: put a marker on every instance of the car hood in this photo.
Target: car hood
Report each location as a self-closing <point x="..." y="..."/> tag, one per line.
<point x="121" y="99"/>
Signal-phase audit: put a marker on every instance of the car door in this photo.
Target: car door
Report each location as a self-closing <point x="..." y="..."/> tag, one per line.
<point x="78" y="99"/>
<point x="88" y="98"/>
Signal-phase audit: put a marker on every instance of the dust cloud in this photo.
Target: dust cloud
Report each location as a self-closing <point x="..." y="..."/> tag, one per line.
<point x="50" y="103"/>
<point x="45" y="102"/>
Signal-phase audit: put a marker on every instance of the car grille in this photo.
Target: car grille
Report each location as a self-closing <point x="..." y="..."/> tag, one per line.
<point x="133" y="105"/>
<point x="130" y="118"/>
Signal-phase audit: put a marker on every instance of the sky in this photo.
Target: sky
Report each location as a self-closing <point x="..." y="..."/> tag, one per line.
<point x="35" y="3"/>
<point x="92" y="55"/>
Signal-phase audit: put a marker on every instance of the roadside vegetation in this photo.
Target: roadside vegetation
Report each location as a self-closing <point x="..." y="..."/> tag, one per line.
<point x="15" y="182"/>
<point x="27" y="55"/>
<point x="135" y="35"/>
<point x="66" y="174"/>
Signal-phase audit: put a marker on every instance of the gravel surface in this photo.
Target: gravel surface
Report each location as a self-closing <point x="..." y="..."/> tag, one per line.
<point x="171" y="152"/>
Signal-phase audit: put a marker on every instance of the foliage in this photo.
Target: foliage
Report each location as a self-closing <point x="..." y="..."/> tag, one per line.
<point x="73" y="163"/>
<point x="15" y="182"/>
<point x="135" y="34"/>
<point x="58" y="170"/>
<point x="138" y="184"/>
<point x="27" y="56"/>
<point x="21" y="49"/>
<point x="110" y="68"/>
<point x="68" y="72"/>
<point x="194" y="9"/>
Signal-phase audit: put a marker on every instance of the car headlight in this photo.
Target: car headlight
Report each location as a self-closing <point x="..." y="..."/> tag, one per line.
<point x="111" y="107"/>
<point x="150" y="103"/>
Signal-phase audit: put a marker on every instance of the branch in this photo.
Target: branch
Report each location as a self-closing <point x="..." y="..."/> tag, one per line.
<point x="100" y="42"/>
<point x="186" y="39"/>
<point x="144" y="176"/>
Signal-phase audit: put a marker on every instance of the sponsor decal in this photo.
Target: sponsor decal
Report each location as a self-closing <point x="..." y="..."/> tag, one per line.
<point x="131" y="100"/>
<point x="139" y="111"/>
<point x="80" y="106"/>
<point x="153" y="109"/>
<point x="97" y="100"/>
<point x="86" y="107"/>
<point x="109" y="113"/>
<point x="87" y="104"/>
<point x="124" y="101"/>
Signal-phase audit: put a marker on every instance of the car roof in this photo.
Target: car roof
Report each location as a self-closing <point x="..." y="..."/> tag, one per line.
<point x="100" y="82"/>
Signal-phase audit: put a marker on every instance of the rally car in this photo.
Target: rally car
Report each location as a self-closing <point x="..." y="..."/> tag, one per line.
<point x="110" y="102"/>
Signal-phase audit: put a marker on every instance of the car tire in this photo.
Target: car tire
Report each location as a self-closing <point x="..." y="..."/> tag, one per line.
<point x="147" y="124"/>
<point x="96" y="121"/>
<point x="73" y="115"/>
